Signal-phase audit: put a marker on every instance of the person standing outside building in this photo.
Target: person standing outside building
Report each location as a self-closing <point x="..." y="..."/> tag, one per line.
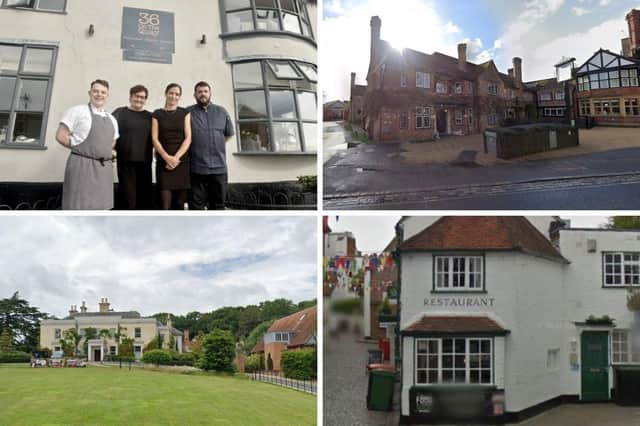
<point x="171" y="135"/>
<point x="211" y="128"/>
<point x="134" y="149"/>
<point x="90" y="133"/>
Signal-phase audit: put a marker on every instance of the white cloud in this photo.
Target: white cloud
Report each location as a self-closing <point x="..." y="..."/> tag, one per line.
<point x="580" y="11"/>
<point x="604" y="2"/>
<point x="333" y="7"/>
<point x="451" y="28"/>
<point x="144" y="263"/>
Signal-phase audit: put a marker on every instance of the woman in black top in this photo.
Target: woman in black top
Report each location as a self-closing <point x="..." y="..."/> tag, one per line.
<point x="171" y="135"/>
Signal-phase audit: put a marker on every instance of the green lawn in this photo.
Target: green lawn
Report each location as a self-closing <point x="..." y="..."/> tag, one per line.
<point x="97" y="396"/>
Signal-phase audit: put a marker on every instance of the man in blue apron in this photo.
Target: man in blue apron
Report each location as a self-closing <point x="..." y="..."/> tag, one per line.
<point x="90" y="133"/>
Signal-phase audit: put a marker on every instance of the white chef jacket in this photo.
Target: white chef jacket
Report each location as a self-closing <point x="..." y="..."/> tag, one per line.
<point x="78" y="121"/>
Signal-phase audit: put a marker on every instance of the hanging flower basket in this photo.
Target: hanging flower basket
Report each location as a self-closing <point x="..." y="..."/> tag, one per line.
<point x="633" y="302"/>
<point x="603" y="320"/>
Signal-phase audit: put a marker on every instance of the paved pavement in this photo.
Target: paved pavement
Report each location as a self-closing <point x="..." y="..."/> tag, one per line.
<point x="587" y="415"/>
<point x="333" y="139"/>
<point x="345" y="384"/>
<point x="374" y="177"/>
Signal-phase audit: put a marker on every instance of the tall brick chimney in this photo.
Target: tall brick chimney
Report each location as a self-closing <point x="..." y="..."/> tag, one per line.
<point x="73" y="310"/>
<point x="376" y="23"/>
<point x="517" y="70"/>
<point x="462" y="56"/>
<point x="510" y="72"/>
<point x="83" y="307"/>
<point x="104" y="305"/>
<point x="633" y="18"/>
<point x="353" y="79"/>
<point x="626" y="47"/>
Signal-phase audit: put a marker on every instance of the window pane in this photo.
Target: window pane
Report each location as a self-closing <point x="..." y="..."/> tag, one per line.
<point x="57" y="5"/>
<point x="283" y="69"/>
<point x="21" y="3"/>
<point x="308" y="71"/>
<point x="7" y="86"/>
<point x="240" y="21"/>
<point x="251" y="105"/>
<point x="31" y="95"/>
<point x="247" y="75"/>
<point x="237" y="4"/>
<point x="282" y="104"/>
<point x="38" y="61"/>
<point x="267" y="20"/>
<point x="310" y="136"/>
<point x="27" y="128"/>
<point x="422" y="377"/>
<point x="285" y="137"/>
<point x="10" y="58"/>
<point x="307" y="105"/>
<point x="288" y="5"/>
<point x="266" y="3"/>
<point x="291" y="23"/>
<point x="4" y="126"/>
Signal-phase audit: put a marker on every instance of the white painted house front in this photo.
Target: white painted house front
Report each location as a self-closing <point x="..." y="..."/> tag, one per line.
<point x="493" y="317"/>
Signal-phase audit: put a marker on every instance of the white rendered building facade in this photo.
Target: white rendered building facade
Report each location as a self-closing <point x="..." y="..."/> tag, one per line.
<point x="495" y="318"/>
<point x="258" y="55"/>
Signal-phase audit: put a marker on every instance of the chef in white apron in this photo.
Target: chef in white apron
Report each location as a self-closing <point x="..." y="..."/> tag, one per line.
<point x="90" y="133"/>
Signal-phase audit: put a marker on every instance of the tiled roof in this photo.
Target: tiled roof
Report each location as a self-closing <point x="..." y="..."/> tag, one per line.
<point x="457" y="324"/>
<point x="259" y="347"/>
<point x="483" y="233"/>
<point x="302" y="323"/>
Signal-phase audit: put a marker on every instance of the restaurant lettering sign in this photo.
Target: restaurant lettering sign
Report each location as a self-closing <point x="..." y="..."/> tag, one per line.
<point x="148" y="35"/>
<point x="450" y="302"/>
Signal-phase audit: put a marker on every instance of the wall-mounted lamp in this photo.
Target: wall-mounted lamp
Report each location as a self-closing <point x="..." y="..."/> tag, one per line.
<point x="203" y="40"/>
<point x="92" y="29"/>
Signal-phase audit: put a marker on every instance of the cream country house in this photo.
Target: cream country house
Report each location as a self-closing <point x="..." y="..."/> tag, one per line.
<point x="128" y="323"/>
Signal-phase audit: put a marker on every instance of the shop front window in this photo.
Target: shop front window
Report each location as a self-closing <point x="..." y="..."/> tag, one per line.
<point x="276" y="106"/>
<point x="26" y="74"/>
<point x="454" y="361"/>
<point x="268" y="15"/>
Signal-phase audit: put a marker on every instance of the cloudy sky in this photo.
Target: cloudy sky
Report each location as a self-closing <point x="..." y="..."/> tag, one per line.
<point x="158" y="264"/>
<point x="373" y="233"/>
<point x="541" y="32"/>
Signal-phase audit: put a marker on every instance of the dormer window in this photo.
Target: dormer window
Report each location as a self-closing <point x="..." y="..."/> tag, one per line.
<point x="458" y="273"/>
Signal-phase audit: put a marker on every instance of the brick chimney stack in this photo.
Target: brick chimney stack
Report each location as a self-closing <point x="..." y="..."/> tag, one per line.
<point x="376" y="23"/>
<point x="462" y="56"/>
<point x="104" y="305"/>
<point x="633" y="18"/>
<point x="73" y="310"/>
<point x="517" y="70"/>
<point x="353" y="79"/>
<point x="83" y="307"/>
<point x="626" y="47"/>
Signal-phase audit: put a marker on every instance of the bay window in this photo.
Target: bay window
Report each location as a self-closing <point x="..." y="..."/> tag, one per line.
<point x="268" y="15"/>
<point x="459" y="273"/>
<point x="454" y="360"/>
<point x="276" y="106"/>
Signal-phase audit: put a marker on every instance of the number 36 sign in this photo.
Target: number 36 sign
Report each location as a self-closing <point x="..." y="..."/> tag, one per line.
<point x="149" y="30"/>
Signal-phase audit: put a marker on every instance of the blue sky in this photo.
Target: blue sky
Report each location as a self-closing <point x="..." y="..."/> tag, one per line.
<point x="157" y="264"/>
<point x="541" y="32"/>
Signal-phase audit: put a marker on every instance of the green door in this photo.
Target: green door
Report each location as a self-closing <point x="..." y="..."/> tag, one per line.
<point x="595" y="366"/>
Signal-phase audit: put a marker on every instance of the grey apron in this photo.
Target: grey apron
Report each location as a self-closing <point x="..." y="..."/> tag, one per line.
<point x="88" y="178"/>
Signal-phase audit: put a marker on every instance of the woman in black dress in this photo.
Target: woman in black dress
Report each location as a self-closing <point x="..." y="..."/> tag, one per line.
<point x="171" y="134"/>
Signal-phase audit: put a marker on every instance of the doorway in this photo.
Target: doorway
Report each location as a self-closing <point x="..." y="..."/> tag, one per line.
<point x="96" y="355"/>
<point x="595" y="365"/>
<point x="441" y="121"/>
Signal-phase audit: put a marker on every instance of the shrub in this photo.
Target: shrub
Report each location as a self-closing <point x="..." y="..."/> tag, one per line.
<point x="347" y="306"/>
<point x="123" y="358"/>
<point x="186" y="358"/>
<point x="309" y="183"/>
<point x="125" y="348"/>
<point x="301" y="365"/>
<point x="253" y="363"/>
<point x="157" y="357"/>
<point x="219" y="351"/>
<point x="153" y="344"/>
<point x="14" y="357"/>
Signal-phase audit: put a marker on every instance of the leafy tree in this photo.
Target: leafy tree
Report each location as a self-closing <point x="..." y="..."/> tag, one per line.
<point x="256" y="335"/>
<point x="6" y="340"/>
<point x="277" y="308"/>
<point x="68" y="348"/>
<point x="153" y="344"/>
<point x="219" y="351"/>
<point x="90" y="333"/>
<point x="249" y="319"/>
<point x="23" y="321"/>
<point x="306" y="304"/>
<point x="125" y="348"/>
<point x="172" y="342"/>
<point x="624" y="222"/>
<point x="72" y="336"/>
<point x="197" y="345"/>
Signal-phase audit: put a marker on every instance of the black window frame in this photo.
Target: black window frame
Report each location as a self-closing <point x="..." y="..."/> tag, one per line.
<point x="19" y="75"/>
<point x="35" y="7"/>
<point x="265" y="67"/>
<point x="301" y="13"/>
<point x="137" y="332"/>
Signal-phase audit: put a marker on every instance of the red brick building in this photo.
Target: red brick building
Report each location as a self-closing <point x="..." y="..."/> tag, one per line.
<point x="608" y="88"/>
<point x="356" y="103"/>
<point x="412" y="95"/>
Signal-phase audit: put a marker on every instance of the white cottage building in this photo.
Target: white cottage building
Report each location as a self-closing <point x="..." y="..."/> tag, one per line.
<point x="500" y="320"/>
<point x="260" y="57"/>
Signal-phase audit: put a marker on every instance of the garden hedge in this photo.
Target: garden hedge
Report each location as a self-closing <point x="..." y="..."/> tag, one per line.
<point x="14" y="357"/>
<point x="301" y="365"/>
<point x="157" y="357"/>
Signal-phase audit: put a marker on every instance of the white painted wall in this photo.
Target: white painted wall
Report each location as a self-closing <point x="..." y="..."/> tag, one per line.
<point x="337" y="243"/>
<point x="82" y="58"/>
